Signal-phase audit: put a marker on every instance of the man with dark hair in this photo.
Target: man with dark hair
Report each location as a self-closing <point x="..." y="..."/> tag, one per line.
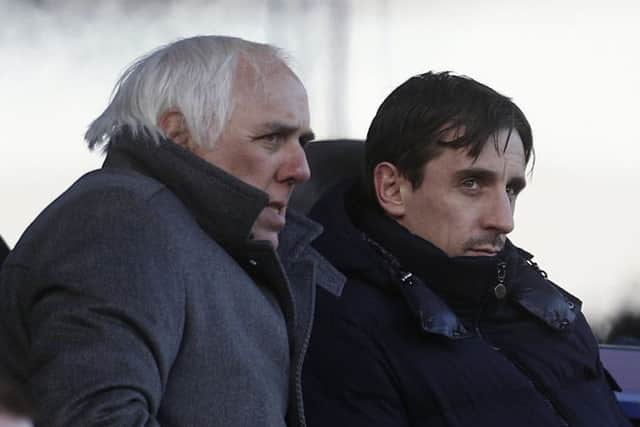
<point x="443" y="321"/>
<point x="173" y="286"/>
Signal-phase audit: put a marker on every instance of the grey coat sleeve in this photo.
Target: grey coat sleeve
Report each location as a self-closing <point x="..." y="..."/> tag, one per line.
<point x="102" y="305"/>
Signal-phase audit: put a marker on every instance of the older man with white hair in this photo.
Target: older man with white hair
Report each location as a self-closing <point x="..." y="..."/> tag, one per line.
<point x="172" y="286"/>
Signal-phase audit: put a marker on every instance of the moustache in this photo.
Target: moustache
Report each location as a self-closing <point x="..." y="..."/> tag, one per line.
<point x="494" y="241"/>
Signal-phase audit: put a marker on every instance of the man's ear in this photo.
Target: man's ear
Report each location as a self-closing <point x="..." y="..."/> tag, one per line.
<point x="174" y="127"/>
<point x="391" y="189"/>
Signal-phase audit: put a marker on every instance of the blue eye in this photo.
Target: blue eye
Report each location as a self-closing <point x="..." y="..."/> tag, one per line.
<point x="470" y="184"/>
<point x="514" y="190"/>
<point x="270" y="141"/>
<point x="272" y="137"/>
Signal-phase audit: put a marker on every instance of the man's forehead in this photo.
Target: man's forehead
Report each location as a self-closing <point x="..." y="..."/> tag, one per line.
<point x="253" y="77"/>
<point x="502" y="147"/>
<point x="503" y="142"/>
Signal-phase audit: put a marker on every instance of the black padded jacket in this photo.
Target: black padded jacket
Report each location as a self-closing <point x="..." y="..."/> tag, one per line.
<point x="421" y="339"/>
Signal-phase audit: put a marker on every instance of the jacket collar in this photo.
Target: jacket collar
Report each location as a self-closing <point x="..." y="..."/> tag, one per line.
<point x="301" y="231"/>
<point x="435" y="286"/>
<point x="295" y="246"/>
<point x="211" y="195"/>
<point x="538" y="295"/>
<point x="461" y="281"/>
<point x="463" y="284"/>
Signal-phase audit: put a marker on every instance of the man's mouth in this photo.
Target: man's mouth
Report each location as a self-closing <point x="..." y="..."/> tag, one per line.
<point x="279" y="207"/>
<point x="483" y="251"/>
<point x="485" y="245"/>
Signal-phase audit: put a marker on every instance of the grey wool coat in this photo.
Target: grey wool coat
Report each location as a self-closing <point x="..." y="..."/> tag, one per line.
<point x="137" y="298"/>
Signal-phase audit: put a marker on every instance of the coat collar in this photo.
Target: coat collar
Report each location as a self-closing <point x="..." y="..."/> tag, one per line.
<point x="213" y="196"/>
<point x="295" y="246"/>
<point x="301" y="231"/>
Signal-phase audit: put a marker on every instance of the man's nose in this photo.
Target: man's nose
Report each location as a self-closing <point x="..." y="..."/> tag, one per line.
<point x="295" y="168"/>
<point x="499" y="214"/>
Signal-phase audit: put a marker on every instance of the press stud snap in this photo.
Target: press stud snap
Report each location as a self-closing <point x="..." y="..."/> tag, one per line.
<point x="500" y="291"/>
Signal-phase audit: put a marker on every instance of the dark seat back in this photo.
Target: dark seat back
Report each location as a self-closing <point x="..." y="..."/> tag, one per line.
<point x="4" y="250"/>
<point x="330" y="162"/>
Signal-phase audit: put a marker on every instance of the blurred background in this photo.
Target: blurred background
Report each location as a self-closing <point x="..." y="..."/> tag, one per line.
<point x="573" y="66"/>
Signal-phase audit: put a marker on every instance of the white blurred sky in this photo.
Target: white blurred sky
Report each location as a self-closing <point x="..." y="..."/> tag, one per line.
<point x="573" y="66"/>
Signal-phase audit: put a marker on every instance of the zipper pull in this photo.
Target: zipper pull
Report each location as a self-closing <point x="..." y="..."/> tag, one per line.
<point x="500" y="290"/>
<point x="406" y="277"/>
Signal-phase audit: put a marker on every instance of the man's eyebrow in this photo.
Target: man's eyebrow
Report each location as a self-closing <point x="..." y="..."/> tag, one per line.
<point x="518" y="183"/>
<point x="307" y="136"/>
<point x="287" y="129"/>
<point x="481" y="173"/>
<point x="278" y="127"/>
<point x="487" y="175"/>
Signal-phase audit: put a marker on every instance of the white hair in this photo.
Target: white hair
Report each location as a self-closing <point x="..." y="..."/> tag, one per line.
<point x="193" y="76"/>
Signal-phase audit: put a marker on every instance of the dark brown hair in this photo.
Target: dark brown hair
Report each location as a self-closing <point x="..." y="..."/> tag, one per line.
<point x="434" y="111"/>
